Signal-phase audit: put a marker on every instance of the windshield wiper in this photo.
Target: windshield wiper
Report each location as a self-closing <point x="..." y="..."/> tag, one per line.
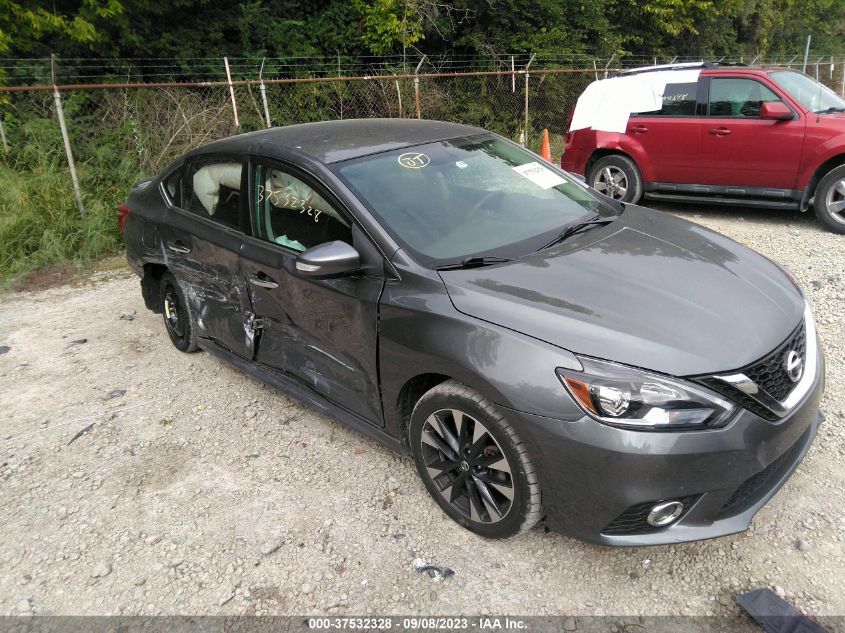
<point x="831" y="110"/>
<point x="572" y="229"/>
<point x="474" y="262"/>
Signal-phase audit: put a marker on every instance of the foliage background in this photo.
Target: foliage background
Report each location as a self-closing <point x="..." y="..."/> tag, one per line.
<point x="119" y="137"/>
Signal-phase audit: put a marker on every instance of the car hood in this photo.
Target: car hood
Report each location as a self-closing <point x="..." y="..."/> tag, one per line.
<point x="648" y="290"/>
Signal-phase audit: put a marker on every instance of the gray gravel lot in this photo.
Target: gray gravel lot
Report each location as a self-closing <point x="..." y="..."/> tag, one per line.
<point x="198" y="490"/>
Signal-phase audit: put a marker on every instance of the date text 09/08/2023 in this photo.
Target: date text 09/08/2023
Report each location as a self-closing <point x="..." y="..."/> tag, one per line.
<point x="482" y="623"/>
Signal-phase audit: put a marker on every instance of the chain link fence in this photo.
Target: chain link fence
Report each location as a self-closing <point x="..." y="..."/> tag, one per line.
<point x="120" y="132"/>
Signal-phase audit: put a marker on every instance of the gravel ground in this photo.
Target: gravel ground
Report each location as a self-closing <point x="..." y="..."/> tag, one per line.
<point x="195" y="489"/>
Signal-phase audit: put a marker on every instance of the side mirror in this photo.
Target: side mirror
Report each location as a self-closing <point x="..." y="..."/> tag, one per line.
<point x="776" y="110"/>
<point x="332" y="259"/>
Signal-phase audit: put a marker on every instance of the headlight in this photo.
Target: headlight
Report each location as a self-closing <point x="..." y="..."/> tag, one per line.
<point x="632" y="398"/>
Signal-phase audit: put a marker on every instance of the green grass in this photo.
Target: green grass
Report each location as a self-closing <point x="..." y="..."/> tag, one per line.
<point x="40" y="224"/>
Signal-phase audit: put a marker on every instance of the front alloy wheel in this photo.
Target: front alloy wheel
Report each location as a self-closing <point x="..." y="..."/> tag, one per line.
<point x="473" y="462"/>
<point x="467" y="465"/>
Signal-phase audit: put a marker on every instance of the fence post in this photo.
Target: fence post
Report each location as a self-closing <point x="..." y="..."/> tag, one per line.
<point x="262" y="88"/>
<point x="399" y="96"/>
<point x="806" y="53"/>
<point x="607" y="65"/>
<point x="57" y="97"/>
<point x="417" y="85"/>
<point x="525" y="70"/>
<point x="231" y="91"/>
<point x="3" y="137"/>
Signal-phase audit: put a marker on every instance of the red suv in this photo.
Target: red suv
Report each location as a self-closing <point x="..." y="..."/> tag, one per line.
<point x="747" y="136"/>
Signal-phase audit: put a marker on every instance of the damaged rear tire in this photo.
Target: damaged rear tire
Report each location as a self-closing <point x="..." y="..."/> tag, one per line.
<point x="179" y="319"/>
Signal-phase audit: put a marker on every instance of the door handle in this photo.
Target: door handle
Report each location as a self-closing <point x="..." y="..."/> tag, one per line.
<point x="178" y="247"/>
<point x="720" y="131"/>
<point x="639" y="129"/>
<point x="262" y="282"/>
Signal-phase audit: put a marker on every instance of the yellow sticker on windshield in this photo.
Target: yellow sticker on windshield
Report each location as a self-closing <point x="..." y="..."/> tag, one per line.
<point x="413" y="160"/>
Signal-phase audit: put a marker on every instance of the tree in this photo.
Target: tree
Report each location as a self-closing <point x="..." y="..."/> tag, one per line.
<point x="21" y="25"/>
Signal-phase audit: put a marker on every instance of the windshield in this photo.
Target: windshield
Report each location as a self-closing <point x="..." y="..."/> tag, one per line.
<point x="812" y="95"/>
<point x="451" y="200"/>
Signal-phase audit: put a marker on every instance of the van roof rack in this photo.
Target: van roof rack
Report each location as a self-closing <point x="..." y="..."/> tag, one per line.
<point x="678" y="66"/>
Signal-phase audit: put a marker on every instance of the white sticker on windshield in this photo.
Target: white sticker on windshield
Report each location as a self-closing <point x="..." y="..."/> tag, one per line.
<point x="539" y="175"/>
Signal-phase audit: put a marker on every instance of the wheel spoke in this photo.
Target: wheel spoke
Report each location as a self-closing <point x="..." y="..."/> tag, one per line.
<point x="840" y="187"/>
<point x="430" y="437"/>
<point x="495" y="462"/>
<point x="607" y="175"/>
<point x="836" y="207"/>
<point x="621" y="191"/>
<point x="600" y="185"/>
<point x="487" y="497"/>
<point x="456" y="487"/>
<point x="506" y="488"/>
<point x="446" y="432"/>
<point x="475" y="503"/>
<point x="440" y="466"/>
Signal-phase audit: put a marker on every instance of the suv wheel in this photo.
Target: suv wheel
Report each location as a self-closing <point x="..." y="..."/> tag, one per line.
<point x="829" y="200"/>
<point x="473" y="463"/>
<point x="179" y="319"/>
<point x="617" y="177"/>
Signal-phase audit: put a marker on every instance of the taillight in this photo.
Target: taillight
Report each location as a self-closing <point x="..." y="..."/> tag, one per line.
<point x="122" y="215"/>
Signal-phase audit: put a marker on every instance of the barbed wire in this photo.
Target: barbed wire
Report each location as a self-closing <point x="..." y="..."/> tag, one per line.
<point x="33" y="71"/>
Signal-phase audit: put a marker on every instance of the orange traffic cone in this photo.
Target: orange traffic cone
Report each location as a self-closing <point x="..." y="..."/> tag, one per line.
<point x="545" y="150"/>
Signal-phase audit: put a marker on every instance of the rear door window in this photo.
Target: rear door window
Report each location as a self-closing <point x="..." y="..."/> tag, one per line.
<point x="737" y="97"/>
<point x="213" y="190"/>
<point x="678" y="100"/>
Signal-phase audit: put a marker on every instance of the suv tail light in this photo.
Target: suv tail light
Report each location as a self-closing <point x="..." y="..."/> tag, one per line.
<point x="122" y="215"/>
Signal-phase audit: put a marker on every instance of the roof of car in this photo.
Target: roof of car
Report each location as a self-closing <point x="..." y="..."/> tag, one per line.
<point x="334" y="141"/>
<point x="706" y="67"/>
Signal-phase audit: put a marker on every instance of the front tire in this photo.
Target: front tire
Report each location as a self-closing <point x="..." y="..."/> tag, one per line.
<point x="829" y="201"/>
<point x="473" y="463"/>
<point x="179" y="319"/>
<point x="617" y="177"/>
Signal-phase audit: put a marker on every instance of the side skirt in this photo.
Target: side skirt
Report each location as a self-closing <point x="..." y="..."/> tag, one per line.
<point x="306" y="395"/>
<point x="718" y="194"/>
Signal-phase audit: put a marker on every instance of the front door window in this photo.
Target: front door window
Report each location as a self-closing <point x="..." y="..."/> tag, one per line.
<point x="290" y="213"/>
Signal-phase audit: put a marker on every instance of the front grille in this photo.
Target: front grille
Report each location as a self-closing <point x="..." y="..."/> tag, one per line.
<point x="768" y="374"/>
<point x="634" y="519"/>
<point x="751" y="488"/>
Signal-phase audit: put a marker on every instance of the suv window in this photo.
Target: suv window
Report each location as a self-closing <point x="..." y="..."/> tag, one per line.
<point x="290" y="213"/>
<point x="678" y="100"/>
<point x="214" y="191"/>
<point x="734" y="97"/>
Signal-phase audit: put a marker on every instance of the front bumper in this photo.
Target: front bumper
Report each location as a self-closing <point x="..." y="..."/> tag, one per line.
<point x="592" y="474"/>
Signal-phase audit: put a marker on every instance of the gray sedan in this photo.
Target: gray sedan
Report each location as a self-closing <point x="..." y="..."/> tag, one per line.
<point x="542" y="352"/>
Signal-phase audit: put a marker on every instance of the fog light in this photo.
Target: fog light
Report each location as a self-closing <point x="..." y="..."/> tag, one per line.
<point x="665" y="513"/>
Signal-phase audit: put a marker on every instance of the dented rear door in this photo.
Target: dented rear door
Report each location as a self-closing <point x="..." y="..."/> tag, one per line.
<point x="201" y="250"/>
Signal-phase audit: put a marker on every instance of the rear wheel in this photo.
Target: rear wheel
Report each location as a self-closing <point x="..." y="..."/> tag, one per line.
<point x="829" y="201"/>
<point x="179" y="319"/>
<point x="473" y="463"/>
<point x="617" y="177"/>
